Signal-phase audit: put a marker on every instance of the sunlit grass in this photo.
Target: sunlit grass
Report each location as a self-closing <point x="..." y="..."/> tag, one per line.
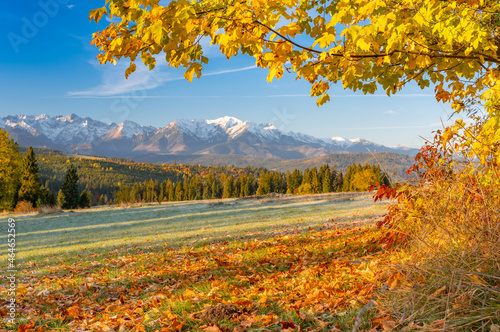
<point x="69" y="232"/>
<point x="178" y="258"/>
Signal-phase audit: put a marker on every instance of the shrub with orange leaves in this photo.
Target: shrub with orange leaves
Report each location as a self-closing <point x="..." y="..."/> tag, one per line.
<point x="448" y="217"/>
<point x="24" y="207"/>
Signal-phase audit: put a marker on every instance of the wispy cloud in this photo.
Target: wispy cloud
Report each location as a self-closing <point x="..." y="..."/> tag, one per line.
<point x="391" y="127"/>
<point x="390" y="112"/>
<point x="227" y="71"/>
<point x="114" y="82"/>
<point x="113" y="20"/>
<point x="402" y="95"/>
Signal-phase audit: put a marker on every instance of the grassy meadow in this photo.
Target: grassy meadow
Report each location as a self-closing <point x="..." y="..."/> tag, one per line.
<point x="279" y="263"/>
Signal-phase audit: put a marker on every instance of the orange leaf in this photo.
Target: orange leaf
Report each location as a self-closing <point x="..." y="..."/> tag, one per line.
<point x="210" y="328"/>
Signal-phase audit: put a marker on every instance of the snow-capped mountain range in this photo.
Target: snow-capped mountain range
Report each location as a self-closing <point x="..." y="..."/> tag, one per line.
<point x="226" y="135"/>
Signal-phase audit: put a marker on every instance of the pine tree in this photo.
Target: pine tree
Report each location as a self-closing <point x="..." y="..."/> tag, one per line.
<point x="60" y="198"/>
<point x="10" y="164"/>
<point x="340" y="182"/>
<point x="161" y="195"/>
<point x="150" y="191"/>
<point x="30" y="183"/>
<point x="264" y="183"/>
<point x="245" y="188"/>
<point x="346" y="183"/>
<point x="216" y="188"/>
<point x="315" y="184"/>
<point x="46" y="198"/>
<point x="228" y="189"/>
<point x="185" y="189"/>
<point x="70" y="189"/>
<point x="306" y="178"/>
<point x="278" y="184"/>
<point x="170" y="191"/>
<point x="84" y="201"/>
<point x="179" y="191"/>
<point x="289" y="182"/>
<point x="135" y="194"/>
<point x="296" y="181"/>
<point x="327" y="180"/>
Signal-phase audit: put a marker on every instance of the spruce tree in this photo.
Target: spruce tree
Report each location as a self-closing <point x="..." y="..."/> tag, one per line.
<point x="346" y="185"/>
<point x="30" y="183"/>
<point x="227" y="190"/>
<point x="264" y="187"/>
<point x="70" y="189"/>
<point x="251" y="184"/>
<point x="46" y="198"/>
<point x="327" y="181"/>
<point x="340" y="182"/>
<point x="85" y="201"/>
<point x="179" y="191"/>
<point x="60" y="198"/>
<point x="315" y="184"/>
<point x="170" y="191"/>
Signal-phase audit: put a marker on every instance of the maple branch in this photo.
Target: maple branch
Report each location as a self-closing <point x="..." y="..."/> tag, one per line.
<point x="288" y="39"/>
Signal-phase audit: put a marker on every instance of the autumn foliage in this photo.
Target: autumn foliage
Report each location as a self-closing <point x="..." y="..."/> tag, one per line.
<point x="447" y="220"/>
<point x="314" y="278"/>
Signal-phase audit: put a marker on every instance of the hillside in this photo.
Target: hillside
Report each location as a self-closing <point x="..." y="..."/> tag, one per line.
<point x="123" y="180"/>
<point x="389" y="161"/>
<point x="106" y="175"/>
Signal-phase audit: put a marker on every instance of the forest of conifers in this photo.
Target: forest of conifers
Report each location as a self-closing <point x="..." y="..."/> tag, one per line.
<point x="123" y="181"/>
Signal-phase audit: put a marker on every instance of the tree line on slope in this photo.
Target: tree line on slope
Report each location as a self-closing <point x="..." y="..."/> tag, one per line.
<point x="83" y="181"/>
<point x="311" y="181"/>
<point x="20" y="186"/>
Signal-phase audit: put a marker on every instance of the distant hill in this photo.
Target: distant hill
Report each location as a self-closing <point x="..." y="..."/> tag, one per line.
<point x="106" y="175"/>
<point x="389" y="161"/>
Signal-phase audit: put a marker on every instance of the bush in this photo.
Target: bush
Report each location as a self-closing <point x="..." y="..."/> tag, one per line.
<point x="47" y="209"/>
<point x="448" y="222"/>
<point x="85" y="200"/>
<point x="24" y="207"/>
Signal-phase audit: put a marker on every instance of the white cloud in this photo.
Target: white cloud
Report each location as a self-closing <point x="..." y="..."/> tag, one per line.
<point x="227" y="71"/>
<point x="114" y="82"/>
<point x="390" y="112"/>
<point x="113" y="20"/>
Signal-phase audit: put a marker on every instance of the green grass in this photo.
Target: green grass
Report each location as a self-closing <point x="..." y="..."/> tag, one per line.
<point x="242" y="250"/>
<point x="65" y="234"/>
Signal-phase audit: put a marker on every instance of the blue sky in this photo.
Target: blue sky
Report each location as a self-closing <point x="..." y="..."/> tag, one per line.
<point x="47" y="65"/>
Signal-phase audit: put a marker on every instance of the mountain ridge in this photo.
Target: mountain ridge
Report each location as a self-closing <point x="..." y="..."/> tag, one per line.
<point x="221" y="136"/>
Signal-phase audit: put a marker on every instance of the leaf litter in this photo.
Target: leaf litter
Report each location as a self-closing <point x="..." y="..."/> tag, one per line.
<point x="308" y="279"/>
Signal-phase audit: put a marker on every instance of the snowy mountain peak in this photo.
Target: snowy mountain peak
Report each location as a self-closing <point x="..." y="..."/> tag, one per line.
<point x="127" y="129"/>
<point x="67" y="118"/>
<point x="270" y="127"/>
<point x="41" y="117"/>
<point x="225" y="122"/>
<point x="224" y="135"/>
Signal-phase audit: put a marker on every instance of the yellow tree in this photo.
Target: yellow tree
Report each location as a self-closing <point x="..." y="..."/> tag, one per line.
<point x="365" y="45"/>
<point x="10" y="165"/>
